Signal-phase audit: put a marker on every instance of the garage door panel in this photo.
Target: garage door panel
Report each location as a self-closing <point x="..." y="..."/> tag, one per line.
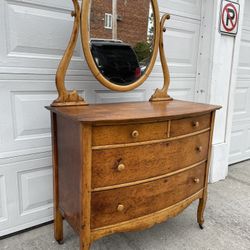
<point x="190" y="8"/>
<point x="107" y="96"/>
<point x="244" y="62"/>
<point x="246" y="21"/>
<point x="33" y="37"/>
<point x="28" y="192"/>
<point x="25" y="124"/>
<point x="248" y="140"/>
<point x="3" y="199"/>
<point x="181" y="42"/>
<point x="237" y="148"/>
<point x="182" y="88"/>
<point x="242" y="100"/>
<point x="28" y="123"/>
<point x="240" y="147"/>
<point x="31" y="183"/>
<point x="55" y="4"/>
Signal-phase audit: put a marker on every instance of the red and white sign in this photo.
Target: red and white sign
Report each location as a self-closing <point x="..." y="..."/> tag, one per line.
<point x="229" y="17"/>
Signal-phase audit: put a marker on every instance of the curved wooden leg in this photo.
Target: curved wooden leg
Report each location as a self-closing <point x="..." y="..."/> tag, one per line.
<point x="85" y="244"/>
<point x="200" y="211"/>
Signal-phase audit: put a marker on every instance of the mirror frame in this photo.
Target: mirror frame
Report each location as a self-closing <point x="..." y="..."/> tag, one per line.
<point x="85" y="33"/>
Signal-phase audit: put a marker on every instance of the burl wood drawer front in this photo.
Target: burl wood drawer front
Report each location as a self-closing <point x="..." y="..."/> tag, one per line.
<point x="189" y="125"/>
<point x="119" y="134"/>
<point x="117" y="205"/>
<point x="122" y="165"/>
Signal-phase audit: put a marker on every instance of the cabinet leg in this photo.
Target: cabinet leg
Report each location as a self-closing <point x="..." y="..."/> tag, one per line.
<point x="200" y="211"/>
<point x="58" y="227"/>
<point x="85" y="244"/>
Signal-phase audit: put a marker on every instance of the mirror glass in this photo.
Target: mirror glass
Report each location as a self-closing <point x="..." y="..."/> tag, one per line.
<point x="121" y="38"/>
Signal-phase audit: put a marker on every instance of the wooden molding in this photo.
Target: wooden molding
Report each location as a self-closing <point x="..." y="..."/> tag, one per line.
<point x="65" y="97"/>
<point x="162" y="94"/>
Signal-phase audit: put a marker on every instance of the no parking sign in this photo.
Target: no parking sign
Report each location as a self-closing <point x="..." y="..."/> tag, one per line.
<point x="229" y="17"/>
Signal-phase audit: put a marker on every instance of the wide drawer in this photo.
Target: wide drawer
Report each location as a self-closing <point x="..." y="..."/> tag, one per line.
<point x="122" y="165"/>
<point x="119" y="134"/>
<point x="122" y="204"/>
<point x="189" y="125"/>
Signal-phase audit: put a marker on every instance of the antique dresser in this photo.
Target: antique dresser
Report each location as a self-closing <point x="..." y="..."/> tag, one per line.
<point x="125" y="166"/>
<point x="122" y="167"/>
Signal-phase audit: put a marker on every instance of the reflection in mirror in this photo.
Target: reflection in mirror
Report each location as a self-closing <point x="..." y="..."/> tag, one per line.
<point x="121" y="38"/>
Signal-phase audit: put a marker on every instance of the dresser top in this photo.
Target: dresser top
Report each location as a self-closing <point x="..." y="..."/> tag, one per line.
<point x="133" y="111"/>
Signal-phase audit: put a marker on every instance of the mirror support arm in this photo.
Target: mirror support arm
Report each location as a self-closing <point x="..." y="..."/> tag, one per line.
<point x="162" y="94"/>
<point x="65" y="97"/>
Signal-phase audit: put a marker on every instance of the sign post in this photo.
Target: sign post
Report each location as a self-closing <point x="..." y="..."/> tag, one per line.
<point x="229" y="20"/>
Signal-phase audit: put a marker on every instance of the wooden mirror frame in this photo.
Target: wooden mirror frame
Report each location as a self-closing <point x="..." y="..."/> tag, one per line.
<point x="85" y="35"/>
<point x="81" y="15"/>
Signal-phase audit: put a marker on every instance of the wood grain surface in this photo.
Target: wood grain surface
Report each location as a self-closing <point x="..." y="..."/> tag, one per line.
<point x="69" y="168"/>
<point x="134" y="112"/>
<point x="146" y="221"/>
<point x="117" y="134"/>
<point x="144" y="199"/>
<point x="142" y="162"/>
<point x="189" y="125"/>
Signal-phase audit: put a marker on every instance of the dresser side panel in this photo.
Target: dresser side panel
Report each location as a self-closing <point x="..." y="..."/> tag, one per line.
<point x="69" y="169"/>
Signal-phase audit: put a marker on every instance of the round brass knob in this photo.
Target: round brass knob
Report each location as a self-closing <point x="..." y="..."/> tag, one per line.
<point x="121" y="167"/>
<point x="120" y="208"/>
<point x="135" y="133"/>
<point x="196" y="124"/>
<point x="199" y="148"/>
<point x="196" y="180"/>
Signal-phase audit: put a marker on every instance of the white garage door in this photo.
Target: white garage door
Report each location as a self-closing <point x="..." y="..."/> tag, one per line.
<point x="240" y="138"/>
<point x="34" y="34"/>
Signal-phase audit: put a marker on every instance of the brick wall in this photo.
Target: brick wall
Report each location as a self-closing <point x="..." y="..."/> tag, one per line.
<point x="98" y="10"/>
<point x="132" y="26"/>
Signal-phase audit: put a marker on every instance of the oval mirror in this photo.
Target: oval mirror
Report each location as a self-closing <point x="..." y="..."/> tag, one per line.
<point x="120" y="40"/>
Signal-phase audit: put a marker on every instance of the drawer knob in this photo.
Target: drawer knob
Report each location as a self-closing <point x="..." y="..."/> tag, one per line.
<point x="120" y="208"/>
<point x="199" y="149"/>
<point x="135" y="133"/>
<point x="196" y="180"/>
<point x="121" y="167"/>
<point x="196" y="124"/>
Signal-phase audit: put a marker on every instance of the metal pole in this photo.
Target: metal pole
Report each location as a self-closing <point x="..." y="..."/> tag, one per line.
<point x="114" y="28"/>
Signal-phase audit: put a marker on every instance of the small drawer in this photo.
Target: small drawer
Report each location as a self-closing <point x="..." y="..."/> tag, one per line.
<point x="122" y="165"/>
<point x="119" y="134"/>
<point x="123" y="204"/>
<point x="189" y="125"/>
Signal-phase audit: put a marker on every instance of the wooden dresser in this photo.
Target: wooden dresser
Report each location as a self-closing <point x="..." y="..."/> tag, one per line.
<point x="128" y="166"/>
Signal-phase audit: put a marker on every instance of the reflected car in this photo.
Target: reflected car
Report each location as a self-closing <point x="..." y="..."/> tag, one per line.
<point x="116" y="61"/>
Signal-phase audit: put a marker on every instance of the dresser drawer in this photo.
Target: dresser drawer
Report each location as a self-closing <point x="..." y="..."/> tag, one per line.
<point x="122" y="165"/>
<point x="119" y="134"/>
<point x="122" y="204"/>
<point x="189" y="125"/>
